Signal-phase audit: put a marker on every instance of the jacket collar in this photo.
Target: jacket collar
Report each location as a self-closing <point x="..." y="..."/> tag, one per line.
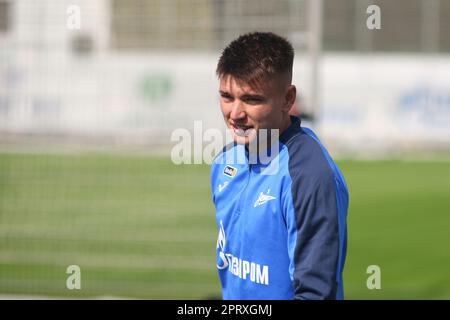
<point x="292" y="130"/>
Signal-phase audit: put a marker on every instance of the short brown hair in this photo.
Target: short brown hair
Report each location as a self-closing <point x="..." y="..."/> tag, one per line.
<point x="255" y="57"/>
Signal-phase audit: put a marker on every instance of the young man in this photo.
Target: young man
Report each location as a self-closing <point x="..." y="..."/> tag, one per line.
<point x="282" y="231"/>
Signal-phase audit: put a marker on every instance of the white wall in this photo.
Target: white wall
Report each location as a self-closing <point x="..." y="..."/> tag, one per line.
<point x="386" y="100"/>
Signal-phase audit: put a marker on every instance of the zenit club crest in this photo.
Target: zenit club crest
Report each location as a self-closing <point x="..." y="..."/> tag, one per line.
<point x="229" y="171"/>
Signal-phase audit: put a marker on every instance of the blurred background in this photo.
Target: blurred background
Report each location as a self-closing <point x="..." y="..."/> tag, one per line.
<point x="92" y="90"/>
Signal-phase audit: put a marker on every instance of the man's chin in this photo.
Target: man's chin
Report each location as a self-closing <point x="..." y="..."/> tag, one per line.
<point x="241" y="140"/>
<point x="244" y="139"/>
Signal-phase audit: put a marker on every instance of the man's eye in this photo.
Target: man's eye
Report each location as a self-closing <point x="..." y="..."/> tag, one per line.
<point x="254" y="101"/>
<point x="227" y="98"/>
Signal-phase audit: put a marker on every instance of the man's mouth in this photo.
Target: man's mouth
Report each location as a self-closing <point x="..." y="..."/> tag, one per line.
<point x="241" y="130"/>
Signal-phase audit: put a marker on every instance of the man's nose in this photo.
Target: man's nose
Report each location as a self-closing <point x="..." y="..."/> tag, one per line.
<point x="237" y="112"/>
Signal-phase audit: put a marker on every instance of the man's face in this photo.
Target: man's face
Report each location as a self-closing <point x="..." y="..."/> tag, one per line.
<point x="246" y="109"/>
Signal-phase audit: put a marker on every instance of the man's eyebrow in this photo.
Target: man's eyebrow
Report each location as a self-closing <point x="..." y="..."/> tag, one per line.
<point x="245" y="96"/>
<point x="250" y="96"/>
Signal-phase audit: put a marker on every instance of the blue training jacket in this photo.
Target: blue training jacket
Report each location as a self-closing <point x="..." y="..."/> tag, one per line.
<point x="282" y="233"/>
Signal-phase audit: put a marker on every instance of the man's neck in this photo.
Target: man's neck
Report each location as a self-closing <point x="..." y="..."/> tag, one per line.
<point x="286" y="123"/>
<point x="262" y="147"/>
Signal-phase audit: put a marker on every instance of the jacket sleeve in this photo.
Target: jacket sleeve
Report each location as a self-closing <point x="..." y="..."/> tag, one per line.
<point x="311" y="215"/>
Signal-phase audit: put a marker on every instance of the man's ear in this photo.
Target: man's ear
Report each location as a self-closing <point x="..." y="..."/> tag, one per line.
<point x="291" y="94"/>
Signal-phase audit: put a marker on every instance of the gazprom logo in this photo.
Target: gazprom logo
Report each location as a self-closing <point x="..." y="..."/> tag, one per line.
<point x="222" y="261"/>
<point x="243" y="269"/>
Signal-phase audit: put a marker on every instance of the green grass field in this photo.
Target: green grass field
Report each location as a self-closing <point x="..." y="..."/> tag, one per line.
<point x="142" y="227"/>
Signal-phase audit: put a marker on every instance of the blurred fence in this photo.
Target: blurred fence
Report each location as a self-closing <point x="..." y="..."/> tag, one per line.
<point x="130" y="72"/>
